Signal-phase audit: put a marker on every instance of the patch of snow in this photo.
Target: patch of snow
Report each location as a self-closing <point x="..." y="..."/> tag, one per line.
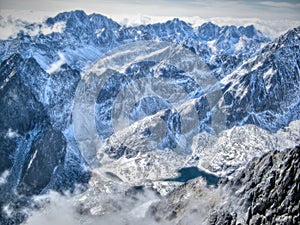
<point x="267" y="78"/>
<point x="256" y="66"/>
<point x="3" y="177"/>
<point x="56" y="65"/>
<point x="99" y="32"/>
<point x="7" y="79"/>
<point x="33" y="157"/>
<point x="231" y="78"/>
<point x="47" y="92"/>
<point x="211" y="45"/>
<point x="240" y="45"/>
<point x="8" y="210"/>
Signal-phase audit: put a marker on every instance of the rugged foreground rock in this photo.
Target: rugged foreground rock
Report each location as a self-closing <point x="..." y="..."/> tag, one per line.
<point x="265" y="192"/>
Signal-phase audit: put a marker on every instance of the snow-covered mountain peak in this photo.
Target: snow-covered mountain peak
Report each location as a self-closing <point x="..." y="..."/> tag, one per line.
<point x="208" y="31"/>
<point x="78" y="15"/>
<point x="79" y="18"/>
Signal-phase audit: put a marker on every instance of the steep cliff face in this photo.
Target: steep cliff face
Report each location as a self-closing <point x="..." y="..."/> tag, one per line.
<point x="33" y="148"/>
<point x="17" y="114"/>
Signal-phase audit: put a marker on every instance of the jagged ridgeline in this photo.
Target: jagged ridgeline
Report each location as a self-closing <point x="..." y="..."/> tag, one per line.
<point x="256" y="80"/>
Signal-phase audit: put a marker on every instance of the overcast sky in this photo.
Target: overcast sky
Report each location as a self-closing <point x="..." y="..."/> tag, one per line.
<point x="268" y="9"/>
<point x="272" y="17"/>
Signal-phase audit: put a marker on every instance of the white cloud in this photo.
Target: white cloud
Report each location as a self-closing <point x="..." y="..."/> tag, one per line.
<point x="61" y="210"/>
<point x="3" y="177"/>
<point x="12" y="21"/>
<point x="271" y="28"/>
<point x="58" y="27"/>
<point x="280" y="4"/>
<point x="56" y="65"/>
<point x="11" y="133"/>
<point x="9" y="27"/>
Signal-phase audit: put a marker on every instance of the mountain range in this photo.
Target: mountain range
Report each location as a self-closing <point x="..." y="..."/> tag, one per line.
<point x="75" y="76"/>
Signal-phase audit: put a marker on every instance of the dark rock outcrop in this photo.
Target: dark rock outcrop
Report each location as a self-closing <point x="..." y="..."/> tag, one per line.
<point x="268" y="189"/>
<point x="46" y="153"/>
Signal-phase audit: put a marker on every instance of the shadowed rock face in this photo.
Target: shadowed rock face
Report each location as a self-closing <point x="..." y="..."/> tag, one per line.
<point x="268" y="190"/>
<point x="20" y="112"/>
<point x="46" y="153"/>
<point x="32" y="146"/>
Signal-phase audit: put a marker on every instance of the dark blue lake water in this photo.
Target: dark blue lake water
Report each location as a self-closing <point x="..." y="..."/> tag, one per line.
<point x="188" y="173"/>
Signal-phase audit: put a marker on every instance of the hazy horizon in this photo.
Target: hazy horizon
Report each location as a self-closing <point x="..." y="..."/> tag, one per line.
<point x="271" y="17"/>
<point x="269" y="10"/>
